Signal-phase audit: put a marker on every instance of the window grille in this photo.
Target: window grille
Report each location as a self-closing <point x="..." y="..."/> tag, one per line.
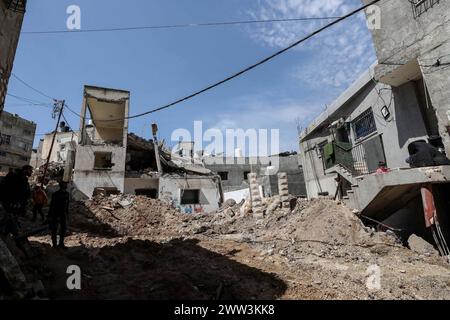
<point x="364" y="124"/>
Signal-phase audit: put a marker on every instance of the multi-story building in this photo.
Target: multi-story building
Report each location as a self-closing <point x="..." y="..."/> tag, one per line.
<point x="403" y="99"/>
<point x="16" y="141"/>
<point x="11" y="17"/>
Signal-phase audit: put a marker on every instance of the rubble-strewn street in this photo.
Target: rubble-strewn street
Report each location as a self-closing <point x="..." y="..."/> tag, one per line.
<point x="225" y="151"/>
<point x="135" y="247"/>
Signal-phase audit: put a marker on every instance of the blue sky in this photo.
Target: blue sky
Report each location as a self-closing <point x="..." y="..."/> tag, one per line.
<point x="159" y="66"/>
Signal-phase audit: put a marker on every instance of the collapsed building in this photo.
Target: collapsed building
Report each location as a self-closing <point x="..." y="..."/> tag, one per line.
<point x="400" y="102"/>
<point x="110" y="160"/>
<point x="234" y="172"/>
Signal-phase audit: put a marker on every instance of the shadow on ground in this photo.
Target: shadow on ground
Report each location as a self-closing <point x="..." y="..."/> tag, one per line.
<point x="137" y="269"/>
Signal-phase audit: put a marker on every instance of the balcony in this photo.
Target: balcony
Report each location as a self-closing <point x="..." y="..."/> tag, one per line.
<point x="422" y="6"/>
<point x="359" y="160"/>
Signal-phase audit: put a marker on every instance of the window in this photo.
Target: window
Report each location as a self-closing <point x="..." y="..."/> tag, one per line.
<point x="223" y="176"/>
<point x="22" y="145"/>
<point x="7" y="125"/>
<point x="5" y="139"/>
<point x="103" y="161"/>
<point x="16" y="5"/>
<point x="150" y="193"/>
<point x="246" y="173"/>
<point x="3" y="154"/>
<point x="27" y="132"/>
<point x="422" y="6"/>
<point x="364" y="124"/>
<point x="190" y="197"/>
<point x="24" y="159"/>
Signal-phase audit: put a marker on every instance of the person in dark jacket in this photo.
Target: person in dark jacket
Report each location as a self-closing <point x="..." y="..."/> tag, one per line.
<point x="423" y="154"/>
<point x="22" y="191"/>
<point x="57" y="215"/>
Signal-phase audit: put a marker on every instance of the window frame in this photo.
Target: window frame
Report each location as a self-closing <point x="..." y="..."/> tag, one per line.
<point x="188" y="202"/>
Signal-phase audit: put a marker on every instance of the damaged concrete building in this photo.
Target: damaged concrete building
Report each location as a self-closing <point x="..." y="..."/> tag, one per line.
<point x="111" y="160"/>
<point x="101" y="152"/>
<point x="16" y="141"/>
<point x="234" y="172"/>
<point x="11" y="18"/>
<point x="401" y="100"/>
<point x="65" y="142"/>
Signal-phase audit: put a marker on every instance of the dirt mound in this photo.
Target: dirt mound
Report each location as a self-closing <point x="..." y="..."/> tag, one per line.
<point x="122" y="215"/>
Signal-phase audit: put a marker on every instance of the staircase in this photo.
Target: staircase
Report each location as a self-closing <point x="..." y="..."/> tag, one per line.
<point x="380" y="195"/>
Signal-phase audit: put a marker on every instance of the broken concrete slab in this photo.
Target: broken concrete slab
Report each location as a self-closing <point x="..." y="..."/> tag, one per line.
<point x="12" y="272"/>
<point x="420" y="246"/>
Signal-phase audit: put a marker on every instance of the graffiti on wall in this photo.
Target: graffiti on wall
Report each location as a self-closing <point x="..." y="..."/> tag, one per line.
<point x="191" y="209"/>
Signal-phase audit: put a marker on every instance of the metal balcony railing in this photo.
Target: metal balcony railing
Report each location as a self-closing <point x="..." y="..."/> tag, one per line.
<point x="421" y="6"/>
<point x="353" y="158"/>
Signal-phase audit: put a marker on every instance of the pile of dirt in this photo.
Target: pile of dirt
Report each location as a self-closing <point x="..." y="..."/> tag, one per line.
<point x="140" y="248"/>
<point x="121" y="215"/>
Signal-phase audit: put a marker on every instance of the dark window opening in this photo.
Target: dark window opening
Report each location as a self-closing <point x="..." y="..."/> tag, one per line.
<point x="150" y="193"/>
<point x="246" y="173"/>
<point x="103" y="161"/>
<point x="190" y="197"/>
<point x="364" y="124"/>
<point x="5" y="139"/>
<point x="223" y="176"/>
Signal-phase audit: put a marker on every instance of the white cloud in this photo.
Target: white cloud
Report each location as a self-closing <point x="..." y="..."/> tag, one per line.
<point x="334" y="58"/>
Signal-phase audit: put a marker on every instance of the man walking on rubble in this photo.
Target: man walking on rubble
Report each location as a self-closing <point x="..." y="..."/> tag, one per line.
<point x="57" y="215"/>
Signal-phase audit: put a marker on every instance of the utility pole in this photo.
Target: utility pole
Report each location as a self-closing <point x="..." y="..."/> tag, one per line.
<point x="59" y="106"/>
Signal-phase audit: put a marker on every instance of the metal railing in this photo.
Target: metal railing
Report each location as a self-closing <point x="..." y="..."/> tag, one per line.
<point x="353" y="158"/>
<point x="422" y="6"/>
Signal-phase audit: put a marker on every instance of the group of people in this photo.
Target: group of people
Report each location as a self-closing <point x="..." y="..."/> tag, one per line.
<point x="15" y="194"/>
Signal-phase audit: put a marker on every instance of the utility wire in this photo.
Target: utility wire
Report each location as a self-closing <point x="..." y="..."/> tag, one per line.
<point x="30" y="101"/>
<point x="177" y="26"/>
<point x="32" y="88"/>
<point x="276" y="54"/>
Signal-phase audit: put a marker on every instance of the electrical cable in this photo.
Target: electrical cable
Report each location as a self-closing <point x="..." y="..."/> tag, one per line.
<point x="177" y="26"/>
<point x="251" y="67"/>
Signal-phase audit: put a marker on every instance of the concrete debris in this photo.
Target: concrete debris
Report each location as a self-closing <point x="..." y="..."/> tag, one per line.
<point x="16" y="284"/>
<point x="420" y="246"/>
<point x="148" y="249"/>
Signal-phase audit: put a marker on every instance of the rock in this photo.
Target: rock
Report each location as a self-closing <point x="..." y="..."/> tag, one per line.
<point x="420" y="246"/>
<point x="230" y="203"/>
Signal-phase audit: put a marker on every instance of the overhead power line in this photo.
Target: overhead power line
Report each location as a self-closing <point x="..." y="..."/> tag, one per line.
<point x="32" y="88"/>
<point x="27" y="100"/>
<point x="253" y="66"/>
<point x="179" y="26"/>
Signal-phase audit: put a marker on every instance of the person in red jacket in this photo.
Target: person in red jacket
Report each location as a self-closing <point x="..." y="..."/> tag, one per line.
<point x="40" y="201"/>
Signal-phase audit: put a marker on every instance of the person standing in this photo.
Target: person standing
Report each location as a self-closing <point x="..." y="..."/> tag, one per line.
<point x="22" y="189"/>
<point x="40" y="201"/>
<point x="57" y="215"/>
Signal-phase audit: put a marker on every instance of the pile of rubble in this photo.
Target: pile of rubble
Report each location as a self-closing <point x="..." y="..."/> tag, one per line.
<point x="55" y="172"/>
<point x="137" y="247"/>
<point x="122" y="215"/>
